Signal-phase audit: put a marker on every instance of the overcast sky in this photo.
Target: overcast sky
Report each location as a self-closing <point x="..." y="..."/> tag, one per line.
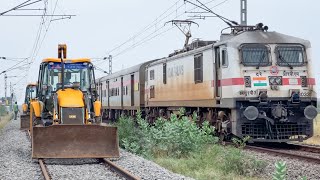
<point x="101" y="25"/>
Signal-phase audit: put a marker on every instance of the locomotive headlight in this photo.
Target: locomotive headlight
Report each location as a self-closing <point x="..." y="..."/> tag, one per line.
<point x="310" y="112"/>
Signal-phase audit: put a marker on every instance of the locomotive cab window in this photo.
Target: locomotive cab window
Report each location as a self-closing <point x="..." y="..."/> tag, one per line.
<point x="255" y="55"/>
<point x="224" y="56"/>
<point x="152" y="75"/>
<point x="198" y="68"/>
<point x="290" y="55"/>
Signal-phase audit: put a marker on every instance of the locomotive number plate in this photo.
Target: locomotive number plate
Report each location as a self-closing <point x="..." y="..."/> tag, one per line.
<point x="293" y="81"/>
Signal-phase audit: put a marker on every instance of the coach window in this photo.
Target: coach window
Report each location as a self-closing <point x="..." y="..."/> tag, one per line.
<point x="198" y="68"/>
<point x="224" y="55"/>
<point x="152" y="75"/>
<point x="255" y="55"/>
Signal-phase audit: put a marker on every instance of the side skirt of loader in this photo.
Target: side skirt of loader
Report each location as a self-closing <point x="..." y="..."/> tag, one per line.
<point x="24" y="121"/>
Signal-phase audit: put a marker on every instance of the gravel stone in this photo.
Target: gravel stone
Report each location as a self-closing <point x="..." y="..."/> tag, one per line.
<point x="78" y="169"/>
<point x="145" y="169"/>
<point x="16" y="162"/>
<point x="15" y="154"/>
<point x="296" y="169"/>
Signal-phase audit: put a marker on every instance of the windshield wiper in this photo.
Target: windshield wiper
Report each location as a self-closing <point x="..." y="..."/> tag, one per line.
<point x="283" y="60"/>
<point x="260" y="61"/>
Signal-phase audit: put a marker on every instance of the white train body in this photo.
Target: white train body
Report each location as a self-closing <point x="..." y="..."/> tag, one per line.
<point x="253" y="83"/>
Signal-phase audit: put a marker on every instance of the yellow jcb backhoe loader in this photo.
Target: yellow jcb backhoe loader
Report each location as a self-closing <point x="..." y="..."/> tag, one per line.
<point x="65" y="119"/>
<point x="30" y="95"/>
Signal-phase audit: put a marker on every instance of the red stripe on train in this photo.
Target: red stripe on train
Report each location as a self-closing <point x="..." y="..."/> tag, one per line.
<point x="229" y="82"/>
<point x="311" y="81"/>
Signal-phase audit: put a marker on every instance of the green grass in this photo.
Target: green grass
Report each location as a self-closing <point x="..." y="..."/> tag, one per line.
<point x="215" y="162"/>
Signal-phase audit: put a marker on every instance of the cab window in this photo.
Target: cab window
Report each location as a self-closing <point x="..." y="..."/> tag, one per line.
<point x="255" y="55"/>
<point x="290" y="55"/>
<point x="224" y="55"/>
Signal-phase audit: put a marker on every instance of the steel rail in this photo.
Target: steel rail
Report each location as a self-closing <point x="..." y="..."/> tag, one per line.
<point x="43" y="167"/>
<point x="44" y="170"/>
<point x="306" y="148"/>
<point x="119" y="170"/>
<point x="283" y="153"/>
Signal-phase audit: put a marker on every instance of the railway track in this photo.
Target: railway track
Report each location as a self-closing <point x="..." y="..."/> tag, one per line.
<point x="111" y="165"/>
<point x="291" y="151"/>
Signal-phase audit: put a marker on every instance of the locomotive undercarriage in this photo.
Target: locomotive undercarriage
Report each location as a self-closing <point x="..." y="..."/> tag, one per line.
<point x="276" y="121"/>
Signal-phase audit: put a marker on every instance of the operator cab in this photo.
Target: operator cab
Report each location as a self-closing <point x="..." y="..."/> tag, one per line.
<point x="76" y="76"/>
<point x="31" y="93"/>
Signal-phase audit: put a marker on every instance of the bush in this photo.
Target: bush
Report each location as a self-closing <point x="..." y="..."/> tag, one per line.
<point x="215" y="162"/>
<point x="235" y="161"/>
<point x="176" y="137"/>
<point x="2" y="110"/>
<point x="131" y="137"/>
<point x="183" y="147"/>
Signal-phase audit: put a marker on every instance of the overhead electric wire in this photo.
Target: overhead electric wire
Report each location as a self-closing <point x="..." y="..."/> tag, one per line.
<point x="141" y="41"/>
<point x="36" y="43"/>
<point x="47" y="28"/>
<point x="149" y="26"/>
<point x="199" y="13"/>
<point x="204" y="7"/>
<point x="12" y="67"/>
<point x="14" y="8"/>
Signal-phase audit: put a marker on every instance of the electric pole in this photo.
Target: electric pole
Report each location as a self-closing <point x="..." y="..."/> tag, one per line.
<point x="110" y="63"/>
<point x="243" y="12"/>
<point x="5" y="87"/>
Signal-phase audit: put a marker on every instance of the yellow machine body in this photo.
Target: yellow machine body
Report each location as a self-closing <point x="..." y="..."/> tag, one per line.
<point x="97" y="108"/>
<point x="73" y="132"/>
<point x="25" y="116"/>
<point x="24" y="107"/>
<point x="70" y="98"/>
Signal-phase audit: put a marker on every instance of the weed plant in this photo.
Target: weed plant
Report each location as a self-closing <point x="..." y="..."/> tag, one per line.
<point x="181" y="146"/>
<point x="176" y="137"/>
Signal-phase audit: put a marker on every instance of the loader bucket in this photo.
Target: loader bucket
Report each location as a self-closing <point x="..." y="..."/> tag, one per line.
<point x="24" y="122"/>
<point x="75" y="141"/>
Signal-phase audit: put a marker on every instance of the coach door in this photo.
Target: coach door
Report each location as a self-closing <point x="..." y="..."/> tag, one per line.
<point x="108" y="93"/>
<point x="218" y="77"/>
<point x="100" y="92"/>
<point x="121" y="92"/>
<point x="132" y="89"/>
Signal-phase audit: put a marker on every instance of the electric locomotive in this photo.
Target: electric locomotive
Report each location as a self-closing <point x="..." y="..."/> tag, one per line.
<point x="251" y="82"/>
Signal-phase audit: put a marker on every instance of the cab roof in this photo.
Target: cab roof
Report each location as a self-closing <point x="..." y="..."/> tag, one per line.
<point x="32" y="84"/>
<point x="47" y="60"/>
